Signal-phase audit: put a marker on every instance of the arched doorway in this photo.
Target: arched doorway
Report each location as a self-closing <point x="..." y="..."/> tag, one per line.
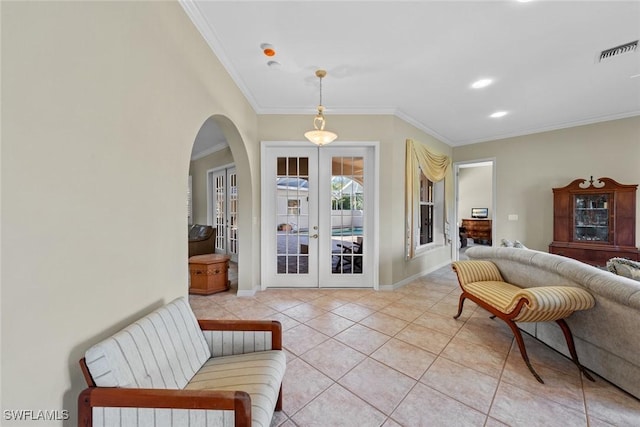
<point x="217" y="190"/>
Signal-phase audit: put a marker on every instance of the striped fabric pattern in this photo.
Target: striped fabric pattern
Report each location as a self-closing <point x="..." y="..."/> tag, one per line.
<point x="500" y="295"/>
<point x="259" y="374"/>
<point x="143" y="417"/>
<point x="554" y="302"/>
<point x="162" y="350"/>
<point x="476" y="271"/>
<point x="227" y="343"/>
<point x="543" y="303"/>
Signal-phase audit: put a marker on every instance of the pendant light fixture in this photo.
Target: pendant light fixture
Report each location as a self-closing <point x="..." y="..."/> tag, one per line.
<point x="318" y="135"/>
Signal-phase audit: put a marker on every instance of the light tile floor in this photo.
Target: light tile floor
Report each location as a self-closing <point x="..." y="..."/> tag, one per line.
<point x="367" y="358"/>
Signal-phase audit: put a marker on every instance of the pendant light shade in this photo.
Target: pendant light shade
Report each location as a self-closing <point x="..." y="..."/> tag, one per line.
<point x="318" y="135"/>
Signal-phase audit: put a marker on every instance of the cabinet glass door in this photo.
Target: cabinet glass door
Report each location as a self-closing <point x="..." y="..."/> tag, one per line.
<point x="591" y="219"/>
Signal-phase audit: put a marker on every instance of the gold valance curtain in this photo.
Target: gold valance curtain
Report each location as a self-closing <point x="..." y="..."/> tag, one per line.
<point x="434" y="166"/>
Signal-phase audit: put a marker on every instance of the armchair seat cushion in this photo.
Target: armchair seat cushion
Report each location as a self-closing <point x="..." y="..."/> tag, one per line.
<point x="259" y="374"/>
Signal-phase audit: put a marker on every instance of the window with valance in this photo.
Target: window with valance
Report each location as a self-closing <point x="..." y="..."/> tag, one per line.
<point x="424" y="196"/>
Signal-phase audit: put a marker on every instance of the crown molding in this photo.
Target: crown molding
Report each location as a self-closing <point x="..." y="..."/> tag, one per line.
<point x="557" y="126"/>
<point x="211" y="38"/>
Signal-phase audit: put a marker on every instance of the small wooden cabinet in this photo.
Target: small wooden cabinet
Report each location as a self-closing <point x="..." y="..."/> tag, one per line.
<point x="478" y="229"/>
<point x="594" y="221"/>
<point x="209" y="274"/>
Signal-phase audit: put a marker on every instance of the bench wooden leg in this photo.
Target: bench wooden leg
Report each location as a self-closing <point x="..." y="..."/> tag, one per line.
<point x="502" y="316"/>
<point x="572" y="348"/>
<point x="523" y="350"/>
<point x="460" y="304"/>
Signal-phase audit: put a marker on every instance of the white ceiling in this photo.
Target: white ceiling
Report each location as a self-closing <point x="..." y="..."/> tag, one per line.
<point x="209" y="140"/>
<point x="417" y="60"/>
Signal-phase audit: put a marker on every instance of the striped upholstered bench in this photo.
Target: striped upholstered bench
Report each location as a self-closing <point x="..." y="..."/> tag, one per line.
<point x="169" y="369"/>
<point x="482" y="283"/>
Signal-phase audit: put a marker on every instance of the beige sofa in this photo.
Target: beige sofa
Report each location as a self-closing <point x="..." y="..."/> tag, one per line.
<point x="607" y="337"/>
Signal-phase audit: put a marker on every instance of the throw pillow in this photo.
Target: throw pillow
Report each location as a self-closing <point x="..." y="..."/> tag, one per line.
<point x="624" y="267"/>
<point x="506" y="243"/>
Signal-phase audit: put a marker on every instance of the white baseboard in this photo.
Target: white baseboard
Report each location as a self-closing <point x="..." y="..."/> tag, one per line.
<point x="410" y="279"/>
<point x="397" y="285"/>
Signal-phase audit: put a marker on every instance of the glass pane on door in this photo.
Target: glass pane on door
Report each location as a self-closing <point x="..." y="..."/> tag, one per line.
<point x="220" y="204"/>
<point x="347" y="213"/>
<point x="233" y="214"/>
<point x="292" y="215"/>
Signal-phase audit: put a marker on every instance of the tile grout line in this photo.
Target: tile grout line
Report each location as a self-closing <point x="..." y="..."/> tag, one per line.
<point x="495" y="392"/>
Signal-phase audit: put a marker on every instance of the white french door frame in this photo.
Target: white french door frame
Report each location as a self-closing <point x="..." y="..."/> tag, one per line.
<point x="226" y="171"/>
<point x="372" y="247"/>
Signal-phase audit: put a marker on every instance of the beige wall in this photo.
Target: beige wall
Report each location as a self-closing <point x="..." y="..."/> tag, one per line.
<point x="528" y="167"/>
<point x="474" y="190"/>
<point x="392" y="133"/>
<point x="198" y="170"/>
<point x="101" y="104"/>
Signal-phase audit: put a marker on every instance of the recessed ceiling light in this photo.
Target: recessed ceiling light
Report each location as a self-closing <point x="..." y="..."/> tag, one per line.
<point x="481" y="83"/>
<point x="498" y="114"/>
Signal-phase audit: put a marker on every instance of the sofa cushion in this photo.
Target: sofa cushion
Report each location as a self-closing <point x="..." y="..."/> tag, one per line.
<point x="259" y="374"/>
<point x="624" y="267"/>
<point x="199" y="232"/>
<point x="162" y="350"/>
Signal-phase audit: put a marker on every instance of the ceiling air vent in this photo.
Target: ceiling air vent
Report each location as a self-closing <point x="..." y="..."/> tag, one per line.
<point x="618" y="50"/>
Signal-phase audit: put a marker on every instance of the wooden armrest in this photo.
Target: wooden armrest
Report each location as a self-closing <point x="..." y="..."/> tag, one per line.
<point x="272" y="326"/>
<point x="237" y="401"/>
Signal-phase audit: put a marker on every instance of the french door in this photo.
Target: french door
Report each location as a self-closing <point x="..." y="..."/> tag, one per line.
<point x="223" y="210"/>
<point x="317" y="216"/>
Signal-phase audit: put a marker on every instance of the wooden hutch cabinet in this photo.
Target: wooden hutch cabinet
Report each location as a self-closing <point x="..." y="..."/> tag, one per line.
<point x="594" y="221"/>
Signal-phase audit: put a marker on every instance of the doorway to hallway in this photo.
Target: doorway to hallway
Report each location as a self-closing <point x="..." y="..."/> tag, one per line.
<point x="474" y="205"/>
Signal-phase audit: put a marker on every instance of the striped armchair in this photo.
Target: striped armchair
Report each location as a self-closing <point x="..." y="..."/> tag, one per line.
<point x="482" y="283"/>
<point x="169" y="369"/>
